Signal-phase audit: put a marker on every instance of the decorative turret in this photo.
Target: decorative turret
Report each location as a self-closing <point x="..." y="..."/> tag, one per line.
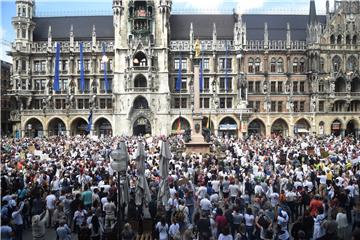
<point x="266" y="36"/>
<point x="313" y="30"/>
<point x="23" y="23"/>
<point x="93" y="37"/>
<point x="49" y="37"/>
<point x="214" y="36"/>
<point x="239" y="33"/>
<point x="191" y="37"/>
<point x="72" y="36"/>
<point x="288" y="36"/>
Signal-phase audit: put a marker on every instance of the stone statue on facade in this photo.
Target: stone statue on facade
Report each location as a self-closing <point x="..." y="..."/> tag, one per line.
<point x="313" y="103"/>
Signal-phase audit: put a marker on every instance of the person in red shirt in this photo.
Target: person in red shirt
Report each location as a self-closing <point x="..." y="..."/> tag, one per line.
<point x="220" y="220"/>
<point x="315" y="204"/>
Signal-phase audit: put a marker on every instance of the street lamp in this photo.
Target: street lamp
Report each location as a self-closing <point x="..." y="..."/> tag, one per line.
<point x="119" y="164"/>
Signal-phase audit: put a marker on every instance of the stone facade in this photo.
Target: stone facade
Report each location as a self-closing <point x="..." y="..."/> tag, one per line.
<point x="279" y="83"/>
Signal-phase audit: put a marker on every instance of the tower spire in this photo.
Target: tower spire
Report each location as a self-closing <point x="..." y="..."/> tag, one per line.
<point x="312" y="14"/>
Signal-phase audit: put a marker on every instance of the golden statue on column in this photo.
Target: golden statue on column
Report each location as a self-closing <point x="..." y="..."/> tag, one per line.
<point x="197" y="48"/>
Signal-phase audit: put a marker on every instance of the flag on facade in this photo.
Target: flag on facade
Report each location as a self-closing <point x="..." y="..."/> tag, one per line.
<point x="82" y="79"/>
<point x="201" y="74"/>
<point x="208" y="125"/>
<point x="57" y="61"/>
<point x="104" y="60"/>
<point x="88" y="129"/>
<point x="179" y="77"/>
<point x="179" y="124"/>
<point x="226" y="73"/>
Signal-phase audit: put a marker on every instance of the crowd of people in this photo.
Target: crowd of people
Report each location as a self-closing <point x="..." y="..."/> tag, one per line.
<point x="245" y="189"/>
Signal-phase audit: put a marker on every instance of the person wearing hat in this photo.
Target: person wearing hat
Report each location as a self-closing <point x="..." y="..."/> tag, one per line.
<point x="38" y="225"/>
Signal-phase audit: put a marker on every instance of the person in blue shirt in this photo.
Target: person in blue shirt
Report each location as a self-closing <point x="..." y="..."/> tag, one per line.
<point x="18" y="221"/>
<point x="7" y="232"/>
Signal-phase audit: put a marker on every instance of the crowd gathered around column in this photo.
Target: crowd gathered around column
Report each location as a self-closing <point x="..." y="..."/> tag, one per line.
<point x="298" y="188"/>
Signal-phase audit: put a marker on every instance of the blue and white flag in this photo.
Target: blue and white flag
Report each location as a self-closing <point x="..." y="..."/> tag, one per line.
<point x="57" y="60"/>
<point x="201" y="74"/>
<point x="226" y="73"/>
<point x="88" y="129"/>
<point x="179" y="77"/>
<point x="82" y="80"/>
<point x="105" y="67"/>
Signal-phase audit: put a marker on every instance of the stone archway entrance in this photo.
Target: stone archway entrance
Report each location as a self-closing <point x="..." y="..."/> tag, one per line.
<point x="56" y="127"/>
<point x="352" y="129"/>
<point x="280" y="127"/>
<point x="336" y="128"/>
<point x="141" y="127"/>
<point x="256" y="127"/>
<point x="102" y="127"/>
<point x="78" y="127"/>
<point x="34" y="128"/>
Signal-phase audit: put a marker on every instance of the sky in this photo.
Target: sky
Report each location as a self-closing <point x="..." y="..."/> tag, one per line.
<point x="103" y="7"/>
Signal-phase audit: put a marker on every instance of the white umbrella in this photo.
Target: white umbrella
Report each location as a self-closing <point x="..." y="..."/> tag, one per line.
<point x="142" y="188"/>
<point x="165" y="156"/>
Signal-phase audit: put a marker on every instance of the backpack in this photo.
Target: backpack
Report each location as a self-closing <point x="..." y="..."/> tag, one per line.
<point x="264" y="221"/>
<point x="179" y="215"/>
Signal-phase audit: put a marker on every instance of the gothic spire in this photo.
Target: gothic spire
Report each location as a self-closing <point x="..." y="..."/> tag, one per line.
<point x="312" y="14"/>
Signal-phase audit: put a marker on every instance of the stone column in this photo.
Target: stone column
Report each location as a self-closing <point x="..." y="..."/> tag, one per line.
<point x="197" y="118"/>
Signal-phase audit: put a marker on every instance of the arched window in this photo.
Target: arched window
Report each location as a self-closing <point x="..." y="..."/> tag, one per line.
<point x="140" y="81"/>
<point x="251" y="65"/>
<point x="351" y="64"/>
<point x="336" y="63"/>
<point x="321" y="86"/>
<point x="332" y="39"/>
<point x="140" y="60"/>
<point x="280" y="65"/>
<point x="273" y="65"/>
<point x="302" y="65"/>
<point x="354" y="39"/>
<point x="257" y="65"/>
<point x="140" y="103"/>
<point x="339" y="39"/>
<point x="348" y="39"/>
<point x="295" y="65"/>
<point x="322" y="65"/>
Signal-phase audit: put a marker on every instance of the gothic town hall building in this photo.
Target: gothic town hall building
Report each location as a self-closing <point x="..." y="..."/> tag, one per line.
<point x="261" y="74"/>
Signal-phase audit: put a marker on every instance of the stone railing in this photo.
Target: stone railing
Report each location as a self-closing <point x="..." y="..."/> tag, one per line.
<point x="206" y="45"/>
<point x="42" y="47"/>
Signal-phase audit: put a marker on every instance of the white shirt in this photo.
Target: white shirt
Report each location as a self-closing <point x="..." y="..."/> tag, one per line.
<point x="50" y="201"/>
<point x="205" y="204"/>
<point x="249" y="219"/>
<point x="234" y="190"/>
<point x="162" y="231"/>
<point x="215" y="185"/>
<point x="174" y="229"/>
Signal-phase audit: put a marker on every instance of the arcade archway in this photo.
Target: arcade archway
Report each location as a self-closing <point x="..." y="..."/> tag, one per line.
<point x="280" y="127"/>
<point x="336" y="127"/>
<point x="352" y="129"/>
<point x="180" y="124"/>
<point x="256" y="127"/>
<point x="56" y="127"/>
<point x="228" y="127"/>
<point x="302" y="126"/>
<point x="141" y="127"/>
<point x="102" y="127"/>
<point x="79" y="127"/>
<point x="34" y="128"/>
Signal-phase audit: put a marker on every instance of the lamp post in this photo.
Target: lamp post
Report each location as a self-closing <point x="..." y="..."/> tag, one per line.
<point x="119" y="164"/>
